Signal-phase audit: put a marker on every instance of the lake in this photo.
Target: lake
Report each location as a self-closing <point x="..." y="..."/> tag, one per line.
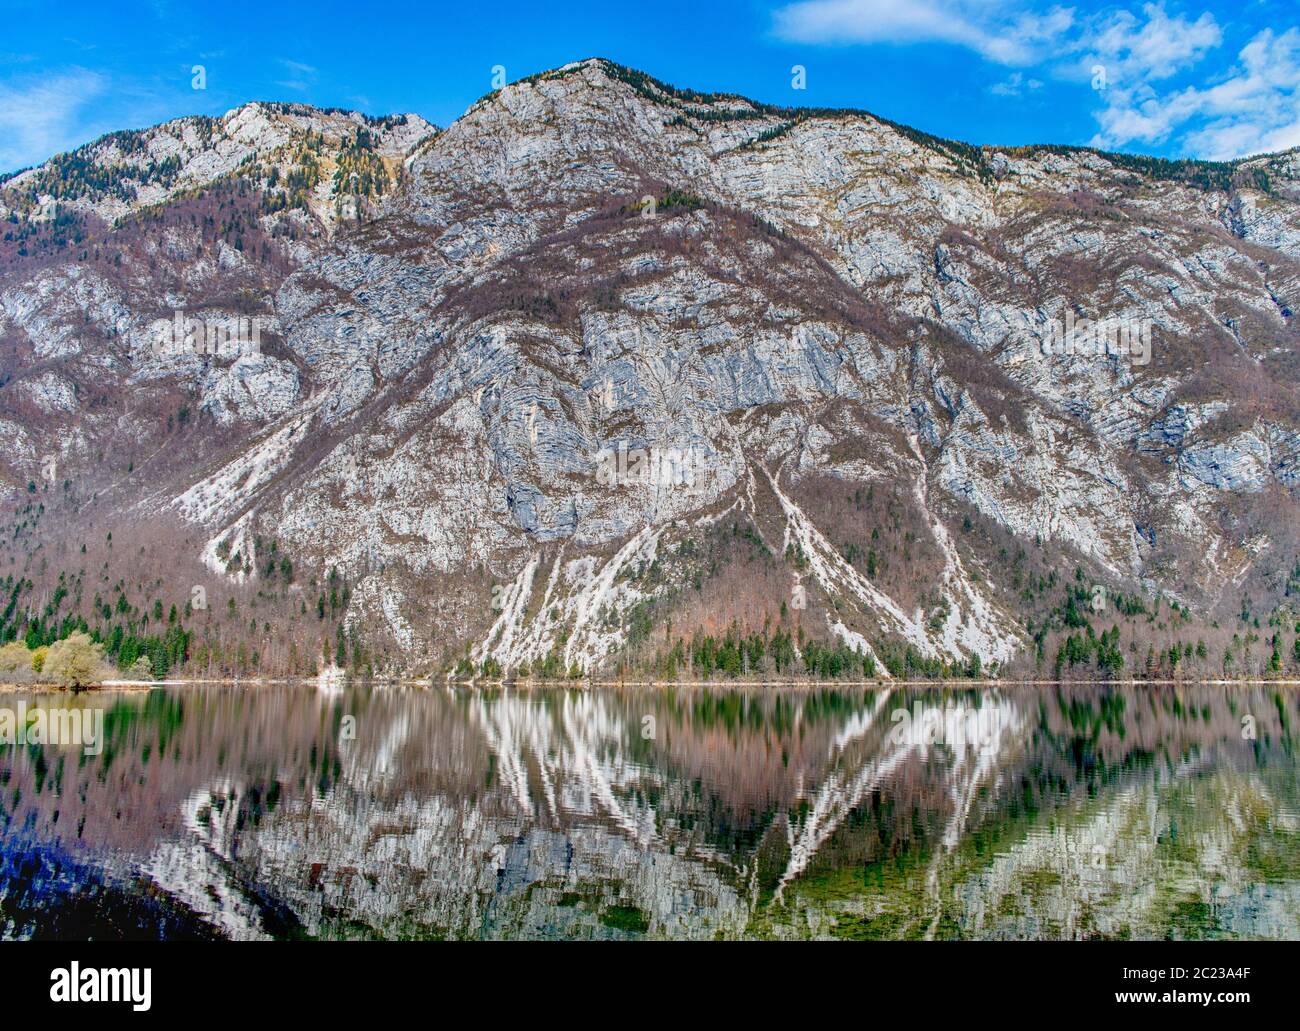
<point x="992" y="812"/>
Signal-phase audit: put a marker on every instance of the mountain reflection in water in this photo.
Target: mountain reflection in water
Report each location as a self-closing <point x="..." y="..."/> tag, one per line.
<point x="687" y="812"/>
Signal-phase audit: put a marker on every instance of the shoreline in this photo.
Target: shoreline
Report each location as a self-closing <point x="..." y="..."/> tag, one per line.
<point x="426" y="683"/>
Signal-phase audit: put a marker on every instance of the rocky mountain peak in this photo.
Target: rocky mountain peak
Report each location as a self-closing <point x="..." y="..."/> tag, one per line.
<point x="610" y="373"/>
<point x="125" y="172"/>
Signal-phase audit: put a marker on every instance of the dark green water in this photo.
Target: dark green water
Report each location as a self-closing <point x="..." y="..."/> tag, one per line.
<point x="1017" y="812"/>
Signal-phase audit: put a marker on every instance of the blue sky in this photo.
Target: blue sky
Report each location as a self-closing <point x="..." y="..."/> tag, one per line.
<point x="1201" y="78"/>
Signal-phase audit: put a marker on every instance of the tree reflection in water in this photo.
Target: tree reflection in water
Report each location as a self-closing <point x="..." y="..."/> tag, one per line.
<point x="1010" y="812"/>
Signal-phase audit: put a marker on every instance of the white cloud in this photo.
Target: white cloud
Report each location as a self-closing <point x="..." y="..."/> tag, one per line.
<point x="1134" y="47"/>
<point x="1014" y="85"/>
<point x="43" y="117"/>
<point x="1000" y="31"/>
<point x="1133" y="50"/>
<point x="304" y="76"/>
<point x="1253" y="109"/>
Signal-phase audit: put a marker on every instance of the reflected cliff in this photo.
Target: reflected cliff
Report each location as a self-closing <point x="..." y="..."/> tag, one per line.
<point x="1017" y="812"/>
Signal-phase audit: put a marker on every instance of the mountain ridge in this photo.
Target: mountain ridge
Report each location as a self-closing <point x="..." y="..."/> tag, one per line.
<point x="480" y="344"/>
<point x="1160" y="167"/>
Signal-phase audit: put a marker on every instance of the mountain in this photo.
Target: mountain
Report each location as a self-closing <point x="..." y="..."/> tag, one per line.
<point x="609" y="376"/>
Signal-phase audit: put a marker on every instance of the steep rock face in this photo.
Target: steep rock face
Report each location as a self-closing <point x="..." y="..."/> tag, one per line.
<point x="514" y="373"/>
<point x="128" y="171"/>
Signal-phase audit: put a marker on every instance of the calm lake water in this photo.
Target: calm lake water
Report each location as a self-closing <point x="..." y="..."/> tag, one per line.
<point x="254" y="811"/>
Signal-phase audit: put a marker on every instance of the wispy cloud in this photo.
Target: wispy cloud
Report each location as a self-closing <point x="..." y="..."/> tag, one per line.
<point x="304" y="75"/>
<point x="44" y="116"/>
<point x="1014" y="85"/>
<point x="1253" y="109"/>
<point x="1146" y="55"/>
<point x="1148" y="48"/>
<point x="299" y="67"/>
<point x="1000" y="31"/>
